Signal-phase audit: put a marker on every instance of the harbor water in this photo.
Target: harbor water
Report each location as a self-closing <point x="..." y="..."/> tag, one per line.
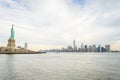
<point x="60" y="66"/>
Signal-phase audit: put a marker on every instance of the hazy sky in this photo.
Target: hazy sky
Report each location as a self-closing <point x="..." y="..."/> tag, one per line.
<point x="45" y="24"/>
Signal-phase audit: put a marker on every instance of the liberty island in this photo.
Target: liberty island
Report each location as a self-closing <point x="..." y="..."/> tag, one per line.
<point x="11" y="46"/>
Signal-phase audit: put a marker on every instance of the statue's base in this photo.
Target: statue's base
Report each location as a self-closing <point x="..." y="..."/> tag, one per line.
<point x="11" y="43"/>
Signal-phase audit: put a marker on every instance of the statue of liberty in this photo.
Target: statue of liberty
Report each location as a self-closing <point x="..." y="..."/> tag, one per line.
<point x="12" y="33"/>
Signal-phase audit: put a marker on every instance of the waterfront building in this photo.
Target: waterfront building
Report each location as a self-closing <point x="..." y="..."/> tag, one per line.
<point x="82" y="47"/>
<point x="102" y="49"/>
<point x="63" y="49"/>
<point x="94" y="48"/>
<point x="69" y="49"/>
<point x="107" y="48"/>
<point x="85" y="48"/>
<point x="19" y="47"/>
<point x="79" y="50"/>
<point x="90" y="48"/>
<point x="99" y="48"/>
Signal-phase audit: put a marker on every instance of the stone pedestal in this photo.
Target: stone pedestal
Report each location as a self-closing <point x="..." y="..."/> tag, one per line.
<point x="11" y="43"/>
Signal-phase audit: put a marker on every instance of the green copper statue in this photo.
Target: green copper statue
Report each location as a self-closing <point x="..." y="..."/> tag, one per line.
<point x="12" y="33"/>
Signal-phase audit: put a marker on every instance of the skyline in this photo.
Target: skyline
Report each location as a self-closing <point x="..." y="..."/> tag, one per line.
<point x="46" y="24"/>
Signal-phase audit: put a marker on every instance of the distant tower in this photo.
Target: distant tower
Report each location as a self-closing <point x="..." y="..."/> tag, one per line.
<point x="74" y="44"/>
<point x="11" y="41"/>
<point x="25" y="45"/>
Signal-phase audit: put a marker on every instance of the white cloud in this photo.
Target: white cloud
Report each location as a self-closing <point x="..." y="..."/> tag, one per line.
<point x="55" y="23"/>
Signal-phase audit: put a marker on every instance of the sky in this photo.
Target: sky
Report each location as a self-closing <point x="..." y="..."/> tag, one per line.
<point x="46" y="24"/>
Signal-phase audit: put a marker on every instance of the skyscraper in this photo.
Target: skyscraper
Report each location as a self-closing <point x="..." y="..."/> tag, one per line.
<point x="85" y="48"/>
<point x="94" y="48"/>
<point x="99" y="48"/>
<point x="107" y="48"/>
<point x="25" y="45"/>
<point x="74" y="44"/>
<point x="82" y="47"/>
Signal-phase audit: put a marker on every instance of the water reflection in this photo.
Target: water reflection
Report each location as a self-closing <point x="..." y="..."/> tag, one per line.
<point x="60" y="67"/>
<point x="10" y="68"/>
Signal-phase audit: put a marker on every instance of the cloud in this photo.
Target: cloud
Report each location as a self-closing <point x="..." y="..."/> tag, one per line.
<point x="55" y="23"/>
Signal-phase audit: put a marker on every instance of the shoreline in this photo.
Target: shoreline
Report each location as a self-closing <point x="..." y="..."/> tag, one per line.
<point x="22" y="53"/>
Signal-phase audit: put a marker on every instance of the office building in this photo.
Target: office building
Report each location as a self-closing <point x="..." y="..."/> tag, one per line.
<point x="26" y="45"/>
<point x="107" y="48"/>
